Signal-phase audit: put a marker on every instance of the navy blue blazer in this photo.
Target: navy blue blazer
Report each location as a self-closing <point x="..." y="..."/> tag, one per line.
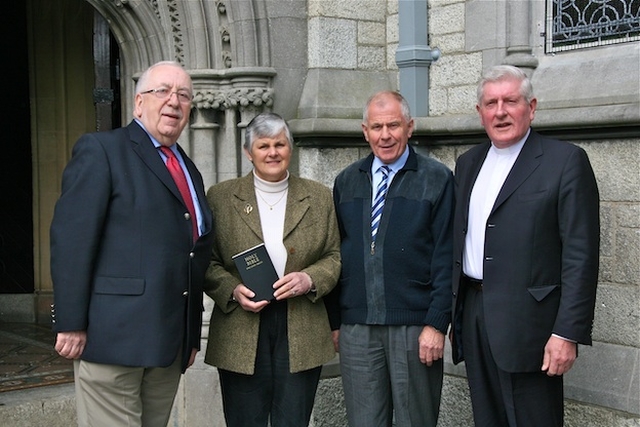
<point x="123" y="261"/>
<point x="541" y="251"/>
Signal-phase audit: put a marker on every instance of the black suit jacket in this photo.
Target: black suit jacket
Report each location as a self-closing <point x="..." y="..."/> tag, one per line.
<point x="123" y="262"/>
<point x="541" y="251"/>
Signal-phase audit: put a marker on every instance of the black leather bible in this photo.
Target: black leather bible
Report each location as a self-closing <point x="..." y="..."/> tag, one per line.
<point x="257" y="271"/>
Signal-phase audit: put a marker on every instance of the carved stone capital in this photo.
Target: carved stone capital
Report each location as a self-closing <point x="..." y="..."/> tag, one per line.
<point x="234" y="88"/>
<point x="238" y="99"/>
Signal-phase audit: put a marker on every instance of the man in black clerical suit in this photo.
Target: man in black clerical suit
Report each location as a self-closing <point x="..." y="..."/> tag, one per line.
<point x="526" y="244"/>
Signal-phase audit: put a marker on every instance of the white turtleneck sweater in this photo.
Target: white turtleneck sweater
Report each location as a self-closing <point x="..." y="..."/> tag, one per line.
<point x="272" y="206"/>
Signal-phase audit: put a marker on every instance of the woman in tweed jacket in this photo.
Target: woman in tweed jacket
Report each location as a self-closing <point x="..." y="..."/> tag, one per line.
<point x="269" y="354"/>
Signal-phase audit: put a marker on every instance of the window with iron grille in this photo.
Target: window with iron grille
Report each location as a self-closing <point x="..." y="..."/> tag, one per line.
<point x="575" y="24"/>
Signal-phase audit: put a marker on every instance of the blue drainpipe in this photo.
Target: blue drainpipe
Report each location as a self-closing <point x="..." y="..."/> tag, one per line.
<point x="414" y="56"/>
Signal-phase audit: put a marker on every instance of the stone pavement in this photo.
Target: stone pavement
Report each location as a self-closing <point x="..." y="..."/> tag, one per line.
<point x="27" y="358"/>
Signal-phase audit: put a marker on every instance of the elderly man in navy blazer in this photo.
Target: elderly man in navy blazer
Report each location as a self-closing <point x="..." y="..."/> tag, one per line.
<point x="129" y="249"/>
<point x="526" y="245"/>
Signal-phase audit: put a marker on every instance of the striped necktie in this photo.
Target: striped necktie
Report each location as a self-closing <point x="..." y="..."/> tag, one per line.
<point x="378" y="202"/>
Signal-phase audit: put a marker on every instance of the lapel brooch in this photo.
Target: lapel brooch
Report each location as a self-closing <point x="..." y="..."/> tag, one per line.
<point x="248" y="208"/>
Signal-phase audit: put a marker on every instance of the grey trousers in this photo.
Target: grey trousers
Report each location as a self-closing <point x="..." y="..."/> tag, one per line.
<point x="384" y="379"/>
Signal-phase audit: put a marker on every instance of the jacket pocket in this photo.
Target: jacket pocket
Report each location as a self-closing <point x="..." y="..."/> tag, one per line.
<point x="526" y="197"/>
<point x="541" y="292"/>
<point x="118" y="286"/>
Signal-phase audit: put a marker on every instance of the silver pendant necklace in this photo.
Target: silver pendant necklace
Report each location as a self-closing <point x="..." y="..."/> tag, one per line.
<point x="269" y="204"/>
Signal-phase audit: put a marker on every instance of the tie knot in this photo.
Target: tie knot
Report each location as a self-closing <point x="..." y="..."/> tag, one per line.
<point x="167" y="151"/>
<point x="385" y="170"/>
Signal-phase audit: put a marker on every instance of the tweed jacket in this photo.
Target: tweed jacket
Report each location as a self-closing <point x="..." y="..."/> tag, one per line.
<point x="313" y="245"/>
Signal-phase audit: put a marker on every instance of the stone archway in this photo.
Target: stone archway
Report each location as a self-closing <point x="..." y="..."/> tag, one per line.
<point x="217" y="42"/>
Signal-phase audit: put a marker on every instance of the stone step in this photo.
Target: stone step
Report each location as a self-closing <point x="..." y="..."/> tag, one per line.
<point x="54" y="406"/>
<point x="50" y="406"/>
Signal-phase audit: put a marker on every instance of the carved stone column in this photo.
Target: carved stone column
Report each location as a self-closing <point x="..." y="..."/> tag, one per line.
<point x="519" y="49"/>
<point x="225" y="101"/>
<point x="203" y="130"/>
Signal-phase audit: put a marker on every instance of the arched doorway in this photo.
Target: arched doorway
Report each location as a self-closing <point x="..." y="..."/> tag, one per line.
<point x="74" y="70"/>
<point x="63" y="82"/>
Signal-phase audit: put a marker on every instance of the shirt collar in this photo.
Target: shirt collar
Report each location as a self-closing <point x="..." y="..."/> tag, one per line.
<point x="153" y="140"/>
<point x="395" y="166"/>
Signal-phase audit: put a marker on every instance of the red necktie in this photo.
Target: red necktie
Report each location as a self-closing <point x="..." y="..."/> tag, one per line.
<point x="181" y="181"/>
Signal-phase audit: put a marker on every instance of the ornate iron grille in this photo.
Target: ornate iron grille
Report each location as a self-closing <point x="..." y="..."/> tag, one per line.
<point x="574" y="24"/>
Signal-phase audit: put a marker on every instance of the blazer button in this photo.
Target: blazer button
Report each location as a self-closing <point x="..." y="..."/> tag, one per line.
<point x="185" y="293"/>
<point x="187" y="216"/>
<point x="192" y="254"/>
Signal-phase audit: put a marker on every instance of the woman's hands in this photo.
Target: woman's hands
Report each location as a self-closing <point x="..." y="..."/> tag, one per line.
<point x="242" y="295"/>
<point x="291" y="285"/>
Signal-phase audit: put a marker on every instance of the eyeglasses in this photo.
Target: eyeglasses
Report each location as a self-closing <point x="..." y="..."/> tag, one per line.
<point x="164" y="93"/>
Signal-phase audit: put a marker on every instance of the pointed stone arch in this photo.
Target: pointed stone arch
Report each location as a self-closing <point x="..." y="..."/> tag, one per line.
<point x="137" y="27"/>
<point x="223" y="44"/>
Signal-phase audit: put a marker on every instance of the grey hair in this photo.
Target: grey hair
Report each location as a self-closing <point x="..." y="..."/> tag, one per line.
<point x="506" y="72"/>
<point x="266" y="125"/>
<point x="142" y="81"/>
<point x="404" y="105"/>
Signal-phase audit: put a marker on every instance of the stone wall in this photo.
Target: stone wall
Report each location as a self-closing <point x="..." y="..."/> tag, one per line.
<point x="455" y="75"/>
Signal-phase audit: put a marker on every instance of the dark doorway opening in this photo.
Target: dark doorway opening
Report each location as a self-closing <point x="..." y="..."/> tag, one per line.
<point x="106" y="62"/>
<point x="16" y="172"/>
<point x="16" y="214"/>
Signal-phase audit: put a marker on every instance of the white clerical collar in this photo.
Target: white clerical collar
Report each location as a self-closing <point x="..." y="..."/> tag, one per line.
<point x="512" y="149"/>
